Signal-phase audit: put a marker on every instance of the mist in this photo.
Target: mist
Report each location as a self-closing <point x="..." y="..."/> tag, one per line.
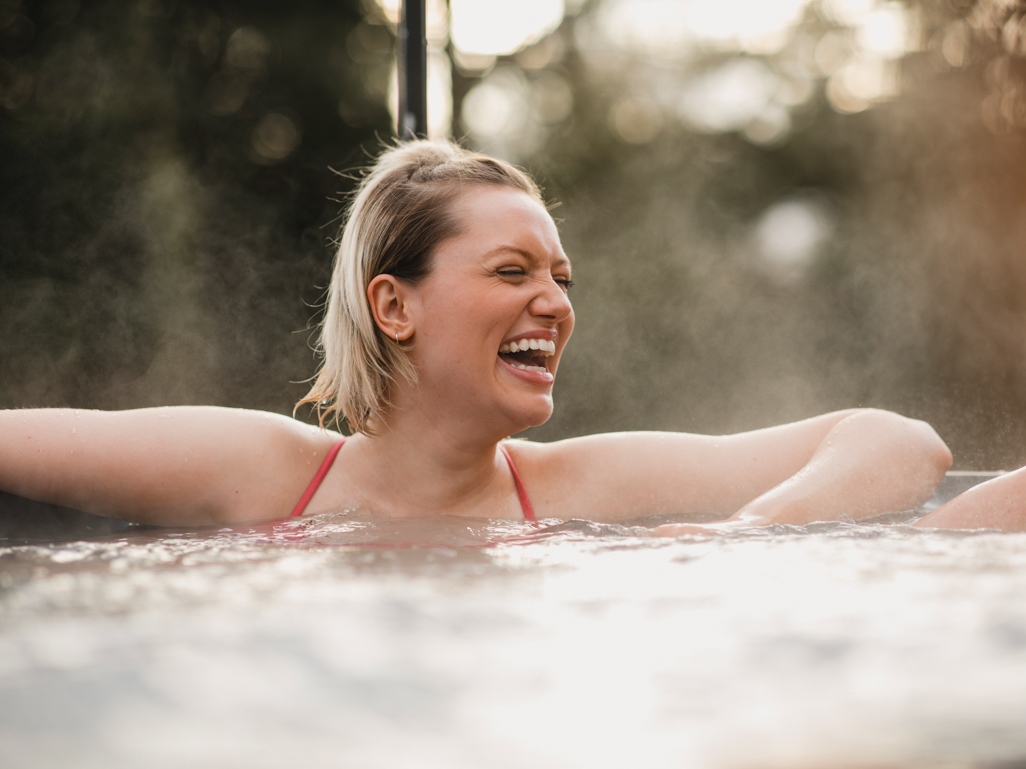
<point x="166" y="213"/>
<point x="819" y="240"/>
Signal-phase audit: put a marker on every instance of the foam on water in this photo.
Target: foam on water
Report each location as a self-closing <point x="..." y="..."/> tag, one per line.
<point x="332" y="642"/>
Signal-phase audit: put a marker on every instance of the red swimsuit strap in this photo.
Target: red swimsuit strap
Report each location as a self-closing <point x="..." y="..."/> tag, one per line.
<point x="525" y="503"/>
<point x="316" y="482"/>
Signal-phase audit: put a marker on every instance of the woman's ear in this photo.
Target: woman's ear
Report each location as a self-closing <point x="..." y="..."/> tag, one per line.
<point x="388" y="298"/>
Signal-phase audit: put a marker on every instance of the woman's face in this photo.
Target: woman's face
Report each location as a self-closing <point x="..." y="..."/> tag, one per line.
<point x="500" y="285"/>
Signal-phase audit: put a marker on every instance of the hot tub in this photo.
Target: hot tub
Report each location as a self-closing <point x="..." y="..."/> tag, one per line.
<point x="330" y="642"/>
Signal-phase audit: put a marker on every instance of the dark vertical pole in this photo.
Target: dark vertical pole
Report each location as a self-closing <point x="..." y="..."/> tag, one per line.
<point x="411" y="50"/>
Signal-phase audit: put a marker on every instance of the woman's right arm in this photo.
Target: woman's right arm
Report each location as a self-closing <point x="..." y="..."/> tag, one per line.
<point x="182" y="465"/>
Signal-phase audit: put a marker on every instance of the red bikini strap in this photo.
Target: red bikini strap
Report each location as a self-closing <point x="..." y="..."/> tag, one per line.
<point x="525" y="503"/>
<point x="316" y="482"/>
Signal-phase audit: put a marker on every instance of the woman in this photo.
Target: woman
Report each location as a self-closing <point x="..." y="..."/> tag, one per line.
<point x="447" y="316"/>
<point x="997" y="504"/>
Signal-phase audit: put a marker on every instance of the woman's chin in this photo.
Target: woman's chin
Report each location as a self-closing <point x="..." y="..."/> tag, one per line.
<point x="530" y="415"/>
<point x="543" y="416"/>
<point x="526" y="395"/>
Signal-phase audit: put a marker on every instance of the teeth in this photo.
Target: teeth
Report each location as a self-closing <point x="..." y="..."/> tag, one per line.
<point x="542" y="346"/>
<point x="530" y="368"/>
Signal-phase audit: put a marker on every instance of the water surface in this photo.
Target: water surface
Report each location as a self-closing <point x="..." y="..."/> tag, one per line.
<point x="329" y="642"/>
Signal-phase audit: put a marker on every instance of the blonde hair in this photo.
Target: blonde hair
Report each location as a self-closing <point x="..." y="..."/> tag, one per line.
<point x="401" y="210"/>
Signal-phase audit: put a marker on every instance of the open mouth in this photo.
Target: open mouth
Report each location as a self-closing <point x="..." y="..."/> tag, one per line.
<point x="528" y="354"/>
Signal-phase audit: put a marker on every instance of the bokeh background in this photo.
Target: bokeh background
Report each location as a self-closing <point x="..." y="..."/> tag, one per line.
<point x="774" y="207"/>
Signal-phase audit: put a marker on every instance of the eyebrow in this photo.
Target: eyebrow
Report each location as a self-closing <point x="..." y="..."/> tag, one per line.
<point x="563" y="260"/>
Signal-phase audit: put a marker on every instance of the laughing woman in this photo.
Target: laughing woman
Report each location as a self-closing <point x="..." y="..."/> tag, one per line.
<point x="447" y="316"/>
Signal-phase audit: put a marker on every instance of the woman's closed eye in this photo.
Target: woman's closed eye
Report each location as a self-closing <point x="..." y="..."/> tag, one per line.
<point x="519" y="272"/>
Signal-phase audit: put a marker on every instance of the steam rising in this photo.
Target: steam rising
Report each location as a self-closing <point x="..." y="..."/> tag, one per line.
<point x="821" y="212"/>
<point x="165" y="196"/>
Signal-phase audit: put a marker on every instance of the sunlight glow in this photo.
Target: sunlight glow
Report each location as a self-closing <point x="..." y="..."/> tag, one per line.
<point x="743" y="94"/>
<point x="635" y="121"/>
<point x="789" y="235"/>
<point x="552" y="99"/>
<point x="499" y="27"/>
<point x="512" y="113"/>
<point x="496" y="108"/>
<point x="657" y="27"/>
<point x="729" y="97"/>
<point x="847" y="12"/>
<point x="439" y="95"/>
<point x="437" y="18"/>
<point x="885" y="31"/>
<point x="751" y="25"/>
<point x="864" y="80"/>
<point x="672" y="27"/>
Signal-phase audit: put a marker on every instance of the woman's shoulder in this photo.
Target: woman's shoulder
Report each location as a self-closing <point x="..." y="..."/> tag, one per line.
<point x="168" y="465"/>
<point x="271" y="439"/>
<point x="566" y="478"/>
<point x="259" y="462"/>
<point x="242" y="431"/>
<point x="614" y="475"/>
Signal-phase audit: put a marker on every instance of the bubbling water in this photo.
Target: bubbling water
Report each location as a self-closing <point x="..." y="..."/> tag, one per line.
<point x="451" y="643"/>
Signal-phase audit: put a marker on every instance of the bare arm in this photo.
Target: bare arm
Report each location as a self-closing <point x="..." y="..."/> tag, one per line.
<point x="180" y="465"/>
<point x="870" y="462"/>
<point x="855" y="463"/>
<point x="996" y="504"/>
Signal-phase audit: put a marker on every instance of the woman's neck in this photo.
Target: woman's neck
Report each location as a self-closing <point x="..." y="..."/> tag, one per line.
<point x="417" y="464"/>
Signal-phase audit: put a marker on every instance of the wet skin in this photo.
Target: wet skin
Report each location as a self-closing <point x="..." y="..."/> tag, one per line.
<point x="504" y="277"/>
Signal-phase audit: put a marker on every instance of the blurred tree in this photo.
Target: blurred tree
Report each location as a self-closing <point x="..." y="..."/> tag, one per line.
<point x="164" y="192"/>
<point x="767" y="227"/>
<point x="766" y="224"/>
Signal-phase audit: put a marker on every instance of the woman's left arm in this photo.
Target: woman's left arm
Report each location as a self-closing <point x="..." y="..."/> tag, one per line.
<point x="870" y="462"/>
<point x="854" y="464"/>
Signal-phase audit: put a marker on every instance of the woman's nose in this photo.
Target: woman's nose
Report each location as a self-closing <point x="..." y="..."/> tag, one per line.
<point x="552" y="302"/>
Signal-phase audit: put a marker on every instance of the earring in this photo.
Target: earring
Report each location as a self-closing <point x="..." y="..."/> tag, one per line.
<point x="397" y="337"/>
